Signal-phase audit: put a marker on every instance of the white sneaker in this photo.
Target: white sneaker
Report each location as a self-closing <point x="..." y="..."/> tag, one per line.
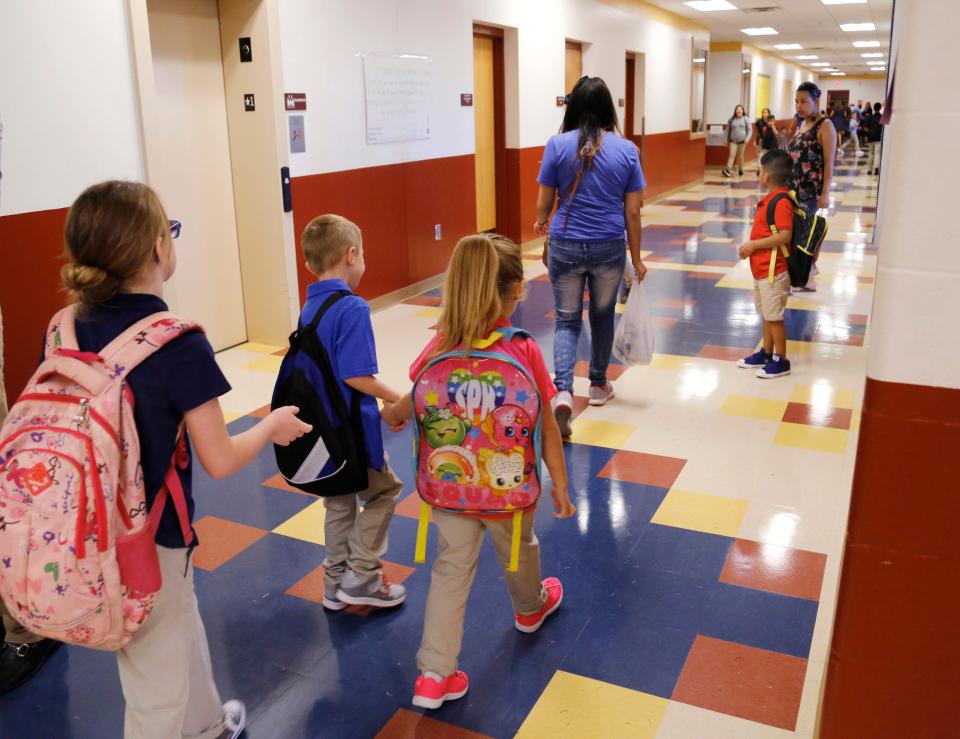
<point x="563" y="412"/>
<point x="234" y="717"/>
<point x="332" y="603"/>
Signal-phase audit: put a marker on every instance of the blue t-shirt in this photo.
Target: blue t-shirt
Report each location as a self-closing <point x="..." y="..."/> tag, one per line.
<point x="347" y="334"/>
<point x="177" y="378"/>
<point x="597" y="210"/>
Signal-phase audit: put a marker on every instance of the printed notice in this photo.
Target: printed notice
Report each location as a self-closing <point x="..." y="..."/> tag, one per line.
<point x="398" y="95"/>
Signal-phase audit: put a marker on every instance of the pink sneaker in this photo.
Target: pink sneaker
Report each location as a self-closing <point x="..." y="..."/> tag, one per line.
<point x="529" y="624"/>
<point x="431" y="693"/>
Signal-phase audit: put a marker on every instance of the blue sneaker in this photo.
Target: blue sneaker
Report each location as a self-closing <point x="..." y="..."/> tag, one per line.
<point x="755" y="361"/>
<point x="776" y="367"/>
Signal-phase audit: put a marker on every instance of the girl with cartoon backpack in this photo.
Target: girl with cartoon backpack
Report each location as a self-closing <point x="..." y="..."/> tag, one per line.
<point x="479" y="441"/>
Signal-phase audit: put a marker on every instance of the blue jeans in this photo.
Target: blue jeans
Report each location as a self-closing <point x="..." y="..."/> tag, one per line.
<point x="572" y="266"/>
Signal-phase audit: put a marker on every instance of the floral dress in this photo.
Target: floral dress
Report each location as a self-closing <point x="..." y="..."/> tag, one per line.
<point x="808" y="164"/>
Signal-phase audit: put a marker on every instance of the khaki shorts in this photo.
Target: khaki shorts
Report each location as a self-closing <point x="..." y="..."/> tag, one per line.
<point x="771" y="298"/>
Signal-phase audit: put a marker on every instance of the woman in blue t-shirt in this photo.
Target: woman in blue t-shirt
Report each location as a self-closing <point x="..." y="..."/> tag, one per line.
<point x="597" y="175"/>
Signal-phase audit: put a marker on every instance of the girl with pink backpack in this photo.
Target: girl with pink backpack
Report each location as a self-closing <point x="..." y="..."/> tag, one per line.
<point x="97" y="448"/>
<point x="481" y="397"/>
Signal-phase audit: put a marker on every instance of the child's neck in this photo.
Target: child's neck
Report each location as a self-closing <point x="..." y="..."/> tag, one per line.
<point x="337" y="273"/>
<point x="148" y="282"/>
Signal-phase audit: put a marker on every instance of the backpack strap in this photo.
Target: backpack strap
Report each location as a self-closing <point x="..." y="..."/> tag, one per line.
<point x="772" y="225"/>
<point x="322" y="310"/>
<point x="141" y="340"/>
<point x="504" y="332"/>
<point x="61" y="332"/>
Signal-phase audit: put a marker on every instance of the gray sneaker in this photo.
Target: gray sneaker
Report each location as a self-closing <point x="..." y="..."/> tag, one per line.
<point x="379" y="593"/>
<point x="600" y="395"/>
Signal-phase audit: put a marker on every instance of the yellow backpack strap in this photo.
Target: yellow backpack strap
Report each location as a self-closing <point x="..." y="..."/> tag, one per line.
<point x="488" y="342"/>
<point x="420" y="553"/>
<point x="515" y="541"/>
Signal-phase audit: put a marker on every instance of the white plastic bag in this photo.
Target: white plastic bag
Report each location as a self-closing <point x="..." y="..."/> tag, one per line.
<point x="633" y="341"/>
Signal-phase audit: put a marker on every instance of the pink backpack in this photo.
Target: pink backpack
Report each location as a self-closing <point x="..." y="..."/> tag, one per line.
<point x="477" y="435"/>
<point x="78" y="560"/>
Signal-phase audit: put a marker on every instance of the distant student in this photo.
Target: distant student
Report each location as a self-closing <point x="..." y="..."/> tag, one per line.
<point x="120" y="253"/>
<point x="771" y="281"/>
<point x="483" y="287"/>
<point x="355" y="537"/>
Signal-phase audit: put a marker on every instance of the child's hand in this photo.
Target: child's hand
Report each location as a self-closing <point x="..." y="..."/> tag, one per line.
<point x="562" y="507"/>
<point x="746" y="250"/>
<point x="285" y="426"/>
<point x="392" y="416"/>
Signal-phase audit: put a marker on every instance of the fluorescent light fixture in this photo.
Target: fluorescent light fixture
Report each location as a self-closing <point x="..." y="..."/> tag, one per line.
<point x="872" y="55"/>
<point x="855" y="27"/>
<point x="708" y="6"/>
<point x="838" y="74"/>
<point x="807" y="56"/>
<point x="843" y="2"/>
<point x="866" y="44"/>
<point x="872" y="62"/>
<point x="820" y="64"/>
<point x="699" y="60"/>
<point x="788" y="47"/>
<point x="830" y="69"/>
<point x="764" y="31"/>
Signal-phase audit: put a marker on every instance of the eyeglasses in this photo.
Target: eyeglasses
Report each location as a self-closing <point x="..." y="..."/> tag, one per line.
<point x="174" y="229"/>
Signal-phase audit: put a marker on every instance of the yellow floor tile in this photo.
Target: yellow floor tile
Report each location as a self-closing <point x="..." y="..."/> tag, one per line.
<point x="798" y="348"/>
<point x="268" y="363"/>
<point x="252" y="346"/>
<point x="764" y="409"/>
<point x="801" y="304"/>
<point x="428" y="312"/>
<point x="678" y="267"/>
<point x="822" y="394"/>
<point x="229" y="416"/>
<point x="575" y="706"/>
<point x="601" y="433"/>
<point x="733" y="280"/>
<point x="306" y="525"/>
<point x="670" y="361"/>
<point x="716" y="240"/>
<point x="817" y="438"/>
<point x="710" y="513"/>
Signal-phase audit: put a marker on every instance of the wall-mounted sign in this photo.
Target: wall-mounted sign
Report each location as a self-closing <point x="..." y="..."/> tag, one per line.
<point x="621" y="102"/>
<point x="295" y="100"/>
<point x="466" y="99"/>
<point x="298" y="142"/>
<point x="248" y="102"/>
<point x="559" y="101"/>
<point x="246" y="49"/>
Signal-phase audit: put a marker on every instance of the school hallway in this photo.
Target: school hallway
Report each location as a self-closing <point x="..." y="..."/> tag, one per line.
<point x="700" y="572"/>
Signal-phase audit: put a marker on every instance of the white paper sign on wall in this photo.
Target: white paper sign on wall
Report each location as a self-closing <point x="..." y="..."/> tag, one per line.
<point x="398" y="95"/>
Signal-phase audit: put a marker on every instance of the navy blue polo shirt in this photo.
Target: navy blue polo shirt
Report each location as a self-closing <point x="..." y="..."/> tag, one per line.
<point x="179" y="377"/>
<point x="347" y="334"/>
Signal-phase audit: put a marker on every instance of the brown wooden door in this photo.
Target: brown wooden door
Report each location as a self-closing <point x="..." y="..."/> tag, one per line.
<point x="574" y="65"/>
<point x="485" y="124"/>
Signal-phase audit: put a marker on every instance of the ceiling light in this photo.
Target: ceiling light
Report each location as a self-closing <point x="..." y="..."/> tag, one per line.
<point x="708" y="6"/>
<point x="765" y="31"/>
<point x="873" y="55"/>
<point x="829" y="69"/>
<point x="820" y="64"/>
<point x="876" y="61"/>
<point x="854" y="27"/>
<point x="866" y="44"/>
<point x="788" y="47"/>
<point x="838" y="74"/>
<point x="807" y="56"/>
<point x="843" y="2"/>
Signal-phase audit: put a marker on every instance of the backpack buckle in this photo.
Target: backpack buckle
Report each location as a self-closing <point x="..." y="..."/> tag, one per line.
<point x="83" y="417"/>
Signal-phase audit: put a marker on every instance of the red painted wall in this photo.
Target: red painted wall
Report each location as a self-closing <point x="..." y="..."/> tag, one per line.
<point x="894" y="666"/>
<point x="670" y="160"/>
<point x="30" y="289"/>
<point x="717" y="155"/>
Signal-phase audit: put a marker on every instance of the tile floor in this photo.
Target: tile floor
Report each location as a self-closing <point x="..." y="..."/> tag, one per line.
<point x="701" y="569"/>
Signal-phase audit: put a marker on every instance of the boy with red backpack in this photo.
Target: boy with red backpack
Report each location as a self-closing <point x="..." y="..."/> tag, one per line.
<point x="480" y="390"/>
<point x="97" y="448"/>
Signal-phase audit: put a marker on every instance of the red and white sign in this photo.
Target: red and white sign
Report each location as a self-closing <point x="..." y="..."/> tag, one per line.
<point x="295" y="100"/>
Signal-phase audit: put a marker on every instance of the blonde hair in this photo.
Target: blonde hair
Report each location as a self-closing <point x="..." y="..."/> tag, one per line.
<point x="471" y="294"/>
<point x="510" y="270"/>
<point x="110" y="235"/>
<point x="326" y="239"/>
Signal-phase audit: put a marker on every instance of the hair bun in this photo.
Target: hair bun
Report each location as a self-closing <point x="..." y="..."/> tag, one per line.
<point x="88" y="283"/>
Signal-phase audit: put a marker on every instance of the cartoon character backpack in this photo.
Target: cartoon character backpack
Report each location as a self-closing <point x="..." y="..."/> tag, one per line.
<point x="78" y="560"/>
<point x="477" y="436"/>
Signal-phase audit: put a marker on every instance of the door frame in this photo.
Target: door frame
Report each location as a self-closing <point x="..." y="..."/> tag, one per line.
<point x="499" y="120"/>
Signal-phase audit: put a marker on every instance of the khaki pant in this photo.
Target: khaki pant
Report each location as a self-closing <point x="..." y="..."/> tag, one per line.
<point x="771" y="298"/>
<point x="736" y="152"/>
<point x="357" y="539"/>
<point x="873" y="162"/>
<point x="165" y="669"/>
<point x="458" y="550"/>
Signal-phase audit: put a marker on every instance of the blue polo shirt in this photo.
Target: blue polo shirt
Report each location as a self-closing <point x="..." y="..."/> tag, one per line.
<point x="177" y="378"/>
<point x="347" y="334"/>
<point x="597" y="211"/>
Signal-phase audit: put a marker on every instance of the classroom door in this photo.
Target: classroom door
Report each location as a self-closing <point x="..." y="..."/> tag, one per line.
<point x="195" y="180"/>
<point x="634" y="120"/>
<point x="763" y="93"/>
<point x="574" y="65"/>
<point x="484" y="117"/>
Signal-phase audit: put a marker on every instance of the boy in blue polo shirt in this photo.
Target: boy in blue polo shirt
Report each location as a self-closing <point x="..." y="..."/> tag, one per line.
<point x="355" y="539"/>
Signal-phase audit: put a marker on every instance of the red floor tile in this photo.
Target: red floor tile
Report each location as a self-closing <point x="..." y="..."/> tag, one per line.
<point x="835" y="418"/>
<point x="428" y="300"/>
<point x="261" y="412"/>
<point x="776" y="569"/>
<point x="715" y="276"/>
<point x="857" y="319"/>
<point x="580" y="404"/>
<point x="679" y="303"/>
<point x="715" y="351"/>
<point x="659" y="257"/>
<point x="664" y="322"/>
<point x="719" y="263"/>
<point x="742" y="681"/>
<point x="311" y="586"/>
<point x="541" y="278"/>
<point x="280" y="352"/>
<point x="409" y="507"/>
<point x="834" y="337"/>
<point x="222" y="540"/>
<point x="643" y="469"/>
<point x="614" y="371"/>
<point x="279" y="483"/>
<point x="406" y="724"/>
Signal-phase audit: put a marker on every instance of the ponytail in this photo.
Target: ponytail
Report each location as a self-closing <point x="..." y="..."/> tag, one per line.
<point x="471" y="294"/>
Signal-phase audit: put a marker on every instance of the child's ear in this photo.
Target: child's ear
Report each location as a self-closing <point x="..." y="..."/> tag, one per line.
<point x="158" y="250"/>
<point x="352" y="255"/>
